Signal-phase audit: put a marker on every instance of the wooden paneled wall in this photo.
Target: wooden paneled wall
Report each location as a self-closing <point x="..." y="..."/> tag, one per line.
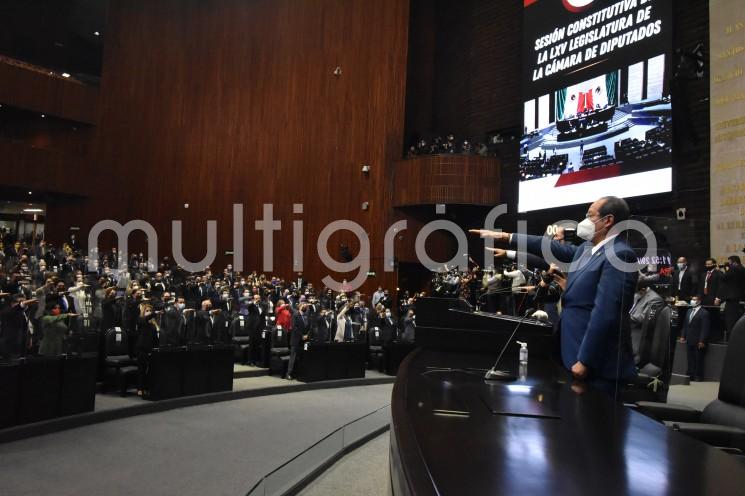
<point x="448" y="179"/>
<point x="228" y="101"/>
<point x="33" y="90"/>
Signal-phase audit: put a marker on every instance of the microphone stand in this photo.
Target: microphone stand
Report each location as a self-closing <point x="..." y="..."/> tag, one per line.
<point x="501" y="375"/>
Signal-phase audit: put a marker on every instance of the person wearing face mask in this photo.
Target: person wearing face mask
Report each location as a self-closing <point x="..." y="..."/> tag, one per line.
<point x="148" y="338"/>
<point x="710" y="283"/>
<point x="172" y="321"/>
<point x="683" y="284"/>
<point x="54" y="327"/>
<point x="593" y="327"/>
<point x="325" y="326"/>
<point x="256" y="322"/>
<point x="388" y="328"/>
<point x="696" y="336"/>
<point x="344" y="324"/>
<point x="299" y="335"/>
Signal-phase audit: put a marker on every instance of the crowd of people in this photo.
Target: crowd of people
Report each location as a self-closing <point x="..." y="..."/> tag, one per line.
<point x="446" y="145"/>
<point x="49" y="300"/>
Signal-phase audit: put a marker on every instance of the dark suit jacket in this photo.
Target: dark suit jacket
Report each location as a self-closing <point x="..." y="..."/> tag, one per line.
<point x="300" y="328"/>
<point x="204" y="331"/>
<point x="12" y="330"/>
<point x="172" y="326"/>
<point x="147" y="335"/>
<point x="325" y="328"/>
<point x="712" y="288"/>
<point x="733" y="284"/>
<point x="596" y="306"/>
<point x="696" y="330"/>
<point x="687" y="284"/>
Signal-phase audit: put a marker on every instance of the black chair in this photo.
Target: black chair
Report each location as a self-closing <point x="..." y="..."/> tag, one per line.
<point x="39" y="394"/>
<point x="655" y="359"/>
<point x="196" y="363"/>
<point x="240" y="338"/>
<point x="10" y="376"/>
<point x="722" y="422"/>
<point x="220" y="368"/>
<point x="375" y="349"/>
<point x="165" y="375"/>
<point x="279" y="352"/>
<point x="78" y="393"/>
<point x="119" y="368"/>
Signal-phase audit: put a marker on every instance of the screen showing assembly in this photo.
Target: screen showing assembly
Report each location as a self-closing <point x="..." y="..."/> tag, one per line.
<point x="597" y="106"/>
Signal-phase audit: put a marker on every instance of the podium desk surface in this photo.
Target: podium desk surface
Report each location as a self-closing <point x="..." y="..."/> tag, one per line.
<point x="452" y="433"/>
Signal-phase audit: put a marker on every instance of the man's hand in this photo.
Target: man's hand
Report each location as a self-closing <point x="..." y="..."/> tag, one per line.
<point x="485" y="233"/>
<point x="579" y="370"/>
<point x="498" y="252"/>
<point x="717" y="301"/>
<point x="701" y="345"/>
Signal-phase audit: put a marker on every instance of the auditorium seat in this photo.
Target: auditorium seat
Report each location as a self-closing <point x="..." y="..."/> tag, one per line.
<point x="722" y="422"/>
<point x="654" y="367"/>
<point x="279" y="351"/>
<point x="375" y="349"/>
<point x="119" y="368"/>
<point x="240" y="339"/>
<point x="9" y="380"/>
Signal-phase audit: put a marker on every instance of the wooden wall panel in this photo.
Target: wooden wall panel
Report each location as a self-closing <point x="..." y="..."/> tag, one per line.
<point x="33" y="90"/>
<point x="447" y="179"/>
<point x="40" y="170"/>
<point x="228" y="101"/>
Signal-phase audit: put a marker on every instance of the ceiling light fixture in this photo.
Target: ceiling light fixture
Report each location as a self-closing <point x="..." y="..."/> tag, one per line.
<point x="33" y="210"/>
<point x="96" y="33"/>
<point x="65" y="74"/>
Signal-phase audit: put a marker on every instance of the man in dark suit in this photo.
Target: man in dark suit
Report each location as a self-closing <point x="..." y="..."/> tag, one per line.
<point x="325" y="327"/>
<point x="683" y="284"/>
<point x="732" y="291"/>
<point x="298" y="335"/>
<point x="205" y="323"/>
<point x="594" y="331"/>
<point x="256" y="322"/>
<point x="14" y="325"/>
<point x="696" y="334"/>
<point x="710" y="283"/>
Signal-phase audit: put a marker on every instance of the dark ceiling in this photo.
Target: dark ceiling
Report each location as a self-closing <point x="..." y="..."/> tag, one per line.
<point x="55" y="34"/>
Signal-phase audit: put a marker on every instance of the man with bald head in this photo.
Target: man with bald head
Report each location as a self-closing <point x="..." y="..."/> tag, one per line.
<point x="595" y="339"/>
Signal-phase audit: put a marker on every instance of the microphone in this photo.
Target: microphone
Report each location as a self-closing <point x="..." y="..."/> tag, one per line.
<point x="501" y="375"/>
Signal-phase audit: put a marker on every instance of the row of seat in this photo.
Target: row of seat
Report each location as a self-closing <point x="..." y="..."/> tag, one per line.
<point x="41" y="388"/>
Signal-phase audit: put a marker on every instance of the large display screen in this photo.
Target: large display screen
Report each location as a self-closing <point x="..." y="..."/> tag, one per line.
<point x="597" y="107"/>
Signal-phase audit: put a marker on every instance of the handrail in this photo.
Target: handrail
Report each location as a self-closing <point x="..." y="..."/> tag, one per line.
<point x="309" y="448"/>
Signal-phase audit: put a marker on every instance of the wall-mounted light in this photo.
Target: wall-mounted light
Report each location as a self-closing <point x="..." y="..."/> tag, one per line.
<point x="65" y="74"/>
<point x="365" y="168"/>
<point x="33" y="210"/>
<point x="365" y="205"/>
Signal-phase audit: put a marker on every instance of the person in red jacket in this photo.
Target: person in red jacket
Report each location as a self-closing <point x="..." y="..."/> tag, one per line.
<point x="284" y="315"/>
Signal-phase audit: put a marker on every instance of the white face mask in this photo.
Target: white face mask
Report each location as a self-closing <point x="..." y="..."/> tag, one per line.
<point x="695" y="303"/>
<point x="586" y="229"/>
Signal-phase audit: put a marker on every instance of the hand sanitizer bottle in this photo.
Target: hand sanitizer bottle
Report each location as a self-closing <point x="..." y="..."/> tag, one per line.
<point x="523" y="352"/>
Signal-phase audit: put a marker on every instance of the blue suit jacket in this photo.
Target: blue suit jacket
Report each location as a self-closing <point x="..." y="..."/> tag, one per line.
<point x="595" y="306"/>
<point x="696" y="330"/>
